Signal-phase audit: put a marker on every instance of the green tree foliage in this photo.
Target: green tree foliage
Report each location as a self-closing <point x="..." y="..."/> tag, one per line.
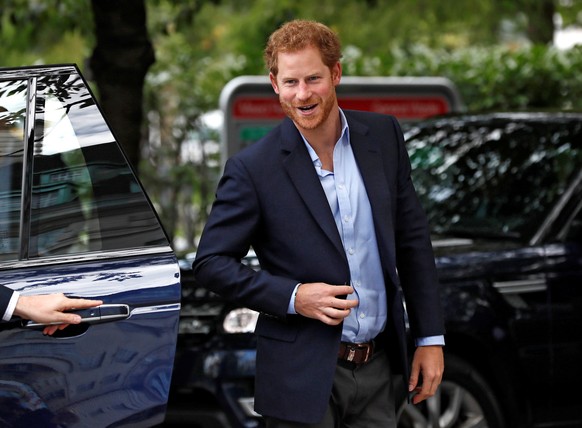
<point x="497" y="52"/>
<point x="38" y="32"/>
<point x="496" y="77"/>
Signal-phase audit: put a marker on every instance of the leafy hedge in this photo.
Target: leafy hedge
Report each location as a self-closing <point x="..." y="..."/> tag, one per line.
<point x="505" y="78"/>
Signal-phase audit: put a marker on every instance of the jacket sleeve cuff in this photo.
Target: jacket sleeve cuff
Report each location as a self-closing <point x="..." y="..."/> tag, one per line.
<point x="291" y="308"/>
<point x="431" y="341"/>
<point x="11" y="306"/>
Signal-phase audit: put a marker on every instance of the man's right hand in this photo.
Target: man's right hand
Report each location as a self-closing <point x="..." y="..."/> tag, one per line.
<point x="320" y="301"/>
<point x="50" y="309"/>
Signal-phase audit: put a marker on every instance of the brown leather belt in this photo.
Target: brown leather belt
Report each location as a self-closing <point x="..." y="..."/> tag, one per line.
<point x="356" y="353"/>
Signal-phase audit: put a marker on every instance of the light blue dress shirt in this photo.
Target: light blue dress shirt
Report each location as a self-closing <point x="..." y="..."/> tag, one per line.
<point x="348" y="200"/>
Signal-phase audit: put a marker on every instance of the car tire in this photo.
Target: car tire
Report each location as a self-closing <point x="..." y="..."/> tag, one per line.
<point x="464" y="399"/>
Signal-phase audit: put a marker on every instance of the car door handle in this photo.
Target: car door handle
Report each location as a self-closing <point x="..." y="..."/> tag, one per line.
<point x="98" y="314"/>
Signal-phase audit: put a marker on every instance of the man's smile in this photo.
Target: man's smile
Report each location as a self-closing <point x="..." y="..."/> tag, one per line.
<point x="307" y="108"/>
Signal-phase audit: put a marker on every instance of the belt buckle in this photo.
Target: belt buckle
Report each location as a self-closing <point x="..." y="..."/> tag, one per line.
<point x="368" y="347"/>
<point x="354" y="347"/>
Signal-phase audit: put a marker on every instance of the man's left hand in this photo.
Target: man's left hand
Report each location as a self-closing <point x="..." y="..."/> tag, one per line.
<point x="429" y="363"/>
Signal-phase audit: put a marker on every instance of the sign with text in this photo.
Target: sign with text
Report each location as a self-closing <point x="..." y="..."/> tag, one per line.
<point x="251" y="108"/>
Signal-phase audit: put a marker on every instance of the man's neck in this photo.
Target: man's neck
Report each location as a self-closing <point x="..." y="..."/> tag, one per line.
<point x="324" y="138"/>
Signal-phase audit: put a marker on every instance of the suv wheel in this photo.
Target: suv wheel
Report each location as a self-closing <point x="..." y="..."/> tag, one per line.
<point x="464" y="399"/>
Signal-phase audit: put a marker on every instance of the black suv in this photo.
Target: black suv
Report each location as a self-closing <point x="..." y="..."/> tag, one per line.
<point x="504" y="197"/>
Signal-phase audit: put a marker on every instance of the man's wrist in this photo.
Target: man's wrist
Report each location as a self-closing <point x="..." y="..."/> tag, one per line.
<point x="291" y="308"/>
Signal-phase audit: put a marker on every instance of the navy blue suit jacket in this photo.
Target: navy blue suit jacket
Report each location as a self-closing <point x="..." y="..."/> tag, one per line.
<point x="270" y="198"/>
<point x="5" y="295"/>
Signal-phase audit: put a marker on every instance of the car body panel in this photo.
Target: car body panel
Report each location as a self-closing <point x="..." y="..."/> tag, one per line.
<point x="84" y="371"/>
<point x="74" y="219"/>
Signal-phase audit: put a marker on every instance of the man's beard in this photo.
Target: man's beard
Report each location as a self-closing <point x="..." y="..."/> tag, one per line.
<point x="325" y="107"/>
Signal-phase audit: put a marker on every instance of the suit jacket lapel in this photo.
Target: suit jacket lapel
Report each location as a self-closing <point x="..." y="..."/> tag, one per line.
<point x="300" y="168"/>
<point x="369" y="160"/>
<point x="370" y="163"/>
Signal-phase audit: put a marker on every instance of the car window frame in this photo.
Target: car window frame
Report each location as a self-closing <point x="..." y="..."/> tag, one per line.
<point x="31" y="75"/>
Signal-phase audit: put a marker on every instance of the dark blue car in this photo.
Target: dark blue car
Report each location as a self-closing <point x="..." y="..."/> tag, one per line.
<point x="504" y="197"/>
<point x="74" y="219"/>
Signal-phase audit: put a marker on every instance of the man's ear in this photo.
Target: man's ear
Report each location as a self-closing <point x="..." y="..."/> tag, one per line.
<point x="273" y="80"/>
<point x="336" y="73"/>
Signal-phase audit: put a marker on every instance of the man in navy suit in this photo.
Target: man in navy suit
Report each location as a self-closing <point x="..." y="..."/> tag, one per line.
<point x="327" y="203"/>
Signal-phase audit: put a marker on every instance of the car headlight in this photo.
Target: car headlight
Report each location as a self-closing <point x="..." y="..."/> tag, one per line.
<point x="241" y="320"/>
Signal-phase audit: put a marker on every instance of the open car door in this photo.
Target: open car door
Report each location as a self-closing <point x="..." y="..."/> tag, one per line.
<point x="74" y="219"/>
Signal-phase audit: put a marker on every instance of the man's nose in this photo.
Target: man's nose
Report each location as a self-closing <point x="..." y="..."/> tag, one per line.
<point x="303" y="92"/>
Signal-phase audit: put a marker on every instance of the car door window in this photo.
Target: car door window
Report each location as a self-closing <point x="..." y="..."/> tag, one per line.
<point x="84" y="196"/>
<point x="467" y="177"/>
<point x="12" y="112"/>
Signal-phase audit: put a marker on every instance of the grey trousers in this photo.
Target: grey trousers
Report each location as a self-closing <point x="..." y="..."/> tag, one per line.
<point x="362" y="397"/>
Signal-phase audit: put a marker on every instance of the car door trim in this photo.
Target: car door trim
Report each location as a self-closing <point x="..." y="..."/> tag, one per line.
<point x="28" y="155"/>
<point x="85" y="257"/>
<point x="521" y="286"/>
<point x="144" y="310"/>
